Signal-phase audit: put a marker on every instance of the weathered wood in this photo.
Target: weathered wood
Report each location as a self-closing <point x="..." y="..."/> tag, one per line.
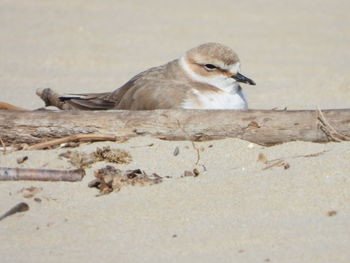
<point x="259" y="126"/>
<point x="28" y="174"/>
<point x="73" y="138"/>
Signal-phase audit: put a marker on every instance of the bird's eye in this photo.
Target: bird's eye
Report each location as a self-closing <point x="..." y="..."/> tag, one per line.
<point x="210" y="66"/>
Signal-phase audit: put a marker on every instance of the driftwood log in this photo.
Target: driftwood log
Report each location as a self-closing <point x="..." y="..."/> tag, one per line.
<point x="266" y="127"/>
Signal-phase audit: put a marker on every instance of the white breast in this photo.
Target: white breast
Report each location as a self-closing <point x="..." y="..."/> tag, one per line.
<point x="216" y="101"/>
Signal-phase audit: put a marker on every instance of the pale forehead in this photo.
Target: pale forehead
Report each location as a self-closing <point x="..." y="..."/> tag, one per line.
<point x="213" y="53"/>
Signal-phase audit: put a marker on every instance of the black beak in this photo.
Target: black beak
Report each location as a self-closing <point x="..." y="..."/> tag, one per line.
<point x="240" y="78"/>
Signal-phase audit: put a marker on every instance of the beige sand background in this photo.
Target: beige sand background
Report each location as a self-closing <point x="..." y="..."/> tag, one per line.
<point x="296" y="51"/>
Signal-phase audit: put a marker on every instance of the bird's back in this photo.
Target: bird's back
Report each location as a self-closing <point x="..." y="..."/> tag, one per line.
<point x="160" y="87"/>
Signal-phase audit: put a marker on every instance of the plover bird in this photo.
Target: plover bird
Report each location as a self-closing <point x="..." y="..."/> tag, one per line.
<point x="205" y="77"/>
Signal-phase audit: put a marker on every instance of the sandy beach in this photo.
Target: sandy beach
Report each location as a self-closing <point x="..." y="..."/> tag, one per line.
<point x="238" y="209"/>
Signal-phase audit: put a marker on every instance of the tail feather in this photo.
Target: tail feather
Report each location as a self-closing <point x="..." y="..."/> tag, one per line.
<point x="89" y="101"/>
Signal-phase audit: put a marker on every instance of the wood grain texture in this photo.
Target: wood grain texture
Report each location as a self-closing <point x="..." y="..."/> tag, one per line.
<point x="259" y="126"/>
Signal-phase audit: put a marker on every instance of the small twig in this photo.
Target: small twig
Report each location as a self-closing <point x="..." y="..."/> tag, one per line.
<point x="76" y="137"/>
<point x="21" y="207"/>
<point x="3" y="145"/>
<point x="297" y="156"/>
<point x="142" y="146"/>
<point x="329" y="130"/>
<point x="324" y="121"/>
<point x="277" y="164"/>
<point x="15" y="174"/>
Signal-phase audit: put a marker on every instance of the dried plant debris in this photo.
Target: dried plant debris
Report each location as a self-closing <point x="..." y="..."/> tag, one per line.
<point x="188" y="173"/>
<point x="262" y="158"/>
<point x="195" y="172"/>
<point x="78" y="159"/>
<point x="272" y="163"/>
<point x="331" y="213"/>
<point x="20" y="207"/>
<point x="313" y="154"/>
<point x="279" y="163"/>
<point x="22" y="159"/>
<point x="142" y="146"/>
<point x="282" y="163"/>
<point x="253" y="125"/>
<point x="38" y="200"/>
<point x="176" y="151"/>
<point x="109" y="179"/>
<point x="84" y="160"/>
<point x="112" y="155"/>
<point x="29" y="192"/>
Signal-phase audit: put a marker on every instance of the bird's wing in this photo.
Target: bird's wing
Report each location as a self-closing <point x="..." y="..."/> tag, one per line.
<point x="89" y="101"/>
<point x="161" y="87"/>
<point x="160" y="94"/>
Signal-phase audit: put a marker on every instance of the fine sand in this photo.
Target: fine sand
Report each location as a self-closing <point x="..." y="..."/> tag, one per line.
<point x="235" y="210"/>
